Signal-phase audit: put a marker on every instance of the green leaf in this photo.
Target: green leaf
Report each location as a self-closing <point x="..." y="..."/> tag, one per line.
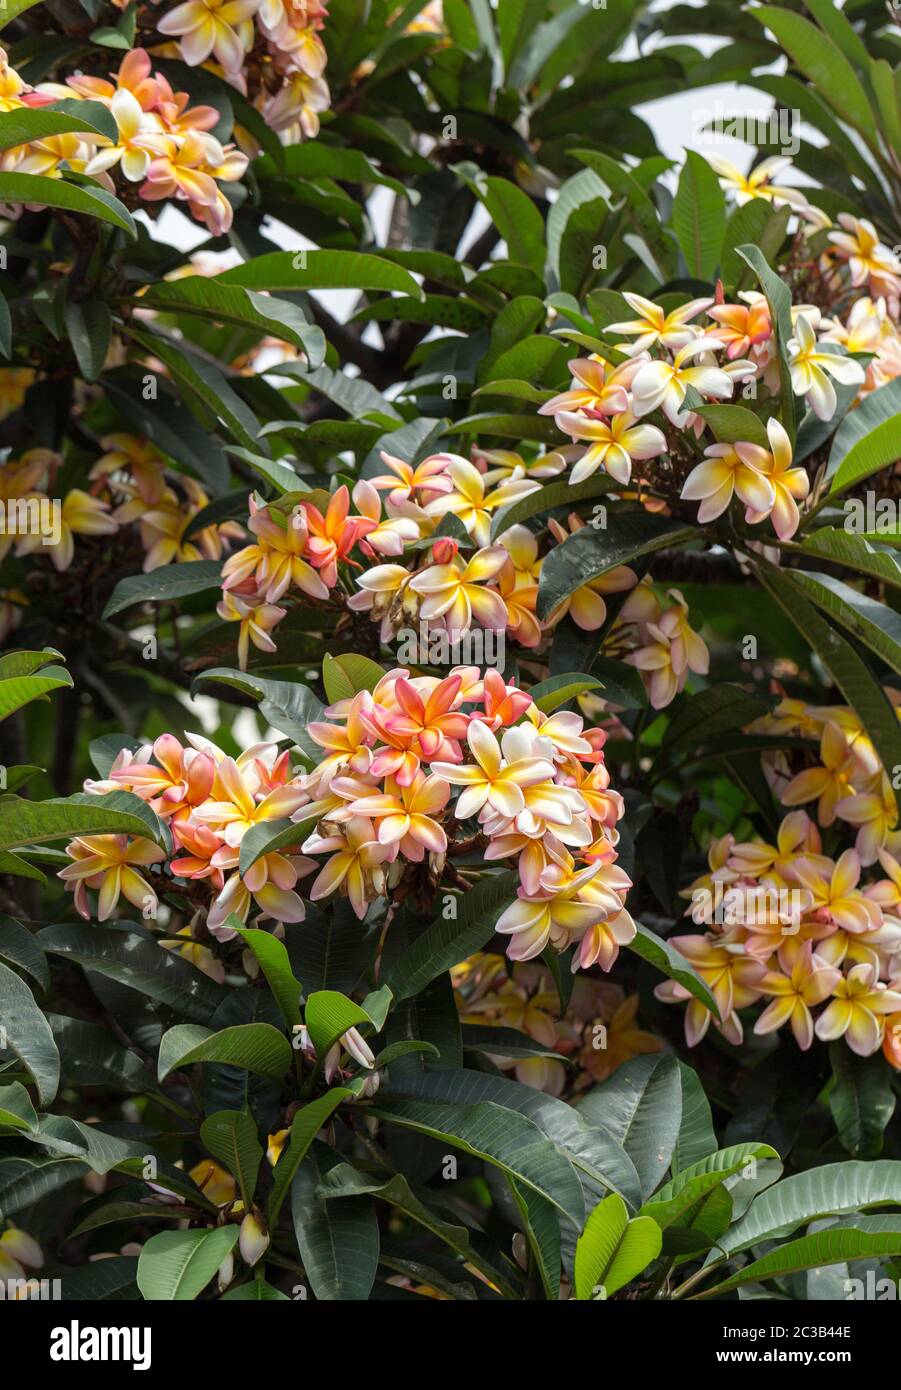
<point x="544" y="499"/>
<point x="680" y="1201"/>
<point x="286" y="705"/>
<point x="846" y="668"/>
<point x="164" y="585"/>
<point x="231" y="1137"/>
<point x="256" y="1291"/>
<point x="200" y="379"/>
<point x="16" y="691"/>
<point x="91" y="1056"/>
<point x="871" y="622"/>
<point x="320" y="270"/>
<point x="256" y="1047"/>
<point x="134" y="958"/>
<point x="734" y="424"/>
<point x="612" y="1250"/>
<point x="344" y="676"/>
<point x="718" y="709"/>
<point x="329" y="1014"/>
<point x="829" y="1190"/>
<point x="176" y="1266"/>
<point x="305" y="1126"/>
<point x="88" y="198"/>
<point x="500" y="1136"/>
<point x="699" y="216"/>
<point x="696" y="1133"/>
<point x="638" y="210"/>
<point x="810" y="1252"/>
<point x="449" y="940"/>
<point x="668" y="961"/>
<point x="589" y="553"/>
<point x="862" y="1100"/>
<point x="21" y="126"/>
<point x="641" y="1105"/>
<point x="854" y="552"/>
<point x="550" y="694"/>
<point x="27" y="1034"/>
<point x="225" y="303"/>
<point x="778" y="296"/>
<point x="516" y="218"/>
<point x="343" y="1182"/>
<point x="822" y="62"/>
<point x="338" y="1240"/>
<point x="274" y="962"/>
<point x="756" y="222"/>
<point x="18" y="945"/>
<point x="89" y="326"/>
<point x="16" y="1109"/>
<point x="602" y="1163"/>
<point x="868" y="438"/>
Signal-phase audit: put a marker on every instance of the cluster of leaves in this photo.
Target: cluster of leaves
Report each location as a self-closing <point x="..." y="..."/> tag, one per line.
<point x="402" y="1161"/>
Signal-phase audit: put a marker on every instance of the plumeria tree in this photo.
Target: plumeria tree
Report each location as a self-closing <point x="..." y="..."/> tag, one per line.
<point x="449" y="582"/>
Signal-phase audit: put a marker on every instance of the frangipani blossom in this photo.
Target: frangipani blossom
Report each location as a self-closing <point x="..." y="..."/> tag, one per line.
<point x="787" y="482"/>
<point x="107" y="863"/>
<point x="654" y="325"/>
<point x="857" y="1012"/>
<point x="828" y="783"/>
<point x="802" y="981"/>
<point x="613" y="444"/>
<point x="356" y="859"/>
<point x="869" y="260"/>
<point x="405" y="814"/>
<point x="662" y="385"/>
<point x="217" y="27"/>
<point x="812" y="366"/>
<point x="723" y="476"/>
<point x="456" y="592"/>
<point x="500" y="772"/>
<point x="470" y="501"/>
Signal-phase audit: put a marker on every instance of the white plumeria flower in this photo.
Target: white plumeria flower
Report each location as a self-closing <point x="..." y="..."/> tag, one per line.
<point x="662" y="385"/>
<point x="129" y="153"/>
<point x="613" y="444"/>
<point x="655" y="325"/>
<point x="759" y="184"/>
<point x="809" y="368"/>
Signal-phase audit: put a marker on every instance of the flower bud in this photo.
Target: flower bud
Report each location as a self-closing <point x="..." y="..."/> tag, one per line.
<point x="253" y="1241"/>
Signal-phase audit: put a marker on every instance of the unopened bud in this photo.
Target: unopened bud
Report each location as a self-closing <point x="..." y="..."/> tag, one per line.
<point x="226" y="1272"/>
<point x="444" y="550"/>
<point x="253" y="1241"/>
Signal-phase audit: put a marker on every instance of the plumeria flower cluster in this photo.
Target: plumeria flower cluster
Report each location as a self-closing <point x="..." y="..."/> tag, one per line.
<point x="423" y="581"/>
<point x="272" y="51"/>
<point x="796" y="931"/>
<point x="845" y="780"/>
<point x="164" y="146"/>
<point x="408" y="770"/>
<point x="655" y="635"/>
<point x="714" y="347"/>
<point x="129" y="485"/>
<point x="596" y="1031"/>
